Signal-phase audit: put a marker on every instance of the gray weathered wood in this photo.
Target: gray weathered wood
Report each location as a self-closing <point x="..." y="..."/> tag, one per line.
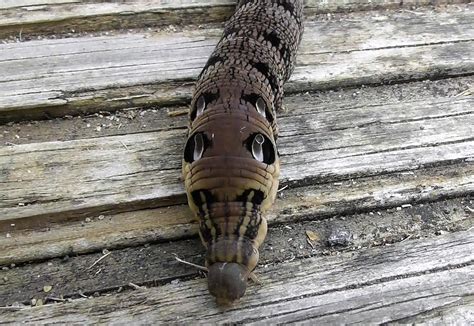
<point x="56" y="238"/>
<point x="370" y="286"/>
<point x="68" y="76"/>
<point x="49" y="238"/>
<point x="52" y="16"/>
<point x="155" y="263"/>
<point x="319" y="147"/>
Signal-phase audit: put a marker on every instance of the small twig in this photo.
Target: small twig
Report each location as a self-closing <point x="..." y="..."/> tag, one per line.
<point x="177" y="113"/>
<point x="56" y="299"/>
<point x="98" y="260"/>
<point x="255" y="278"/>
<point x="407" y="238"/>
<point x="82" y="295"/>
<point x="470" y="209"/>
<point x="135" y="287"/>
<point x="466" y="92"/>
<point x="19" y="35"/>
<point x="125" y="146"/>
<point x="282" y="188"/>
<point x="203" y="268"/>
<point x="11" y="308"/>
<point x="252" y="275"/>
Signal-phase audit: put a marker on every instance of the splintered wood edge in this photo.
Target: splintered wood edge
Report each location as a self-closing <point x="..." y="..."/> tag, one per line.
<point x="174" y="222"/>
<point x="157" y="263"/>
<point x="54" y="18"/>
<point x="355" y="61"/>
<point x="437" y="271"/>
<point x="148" y="175"/>
<point x="314" y="71"/>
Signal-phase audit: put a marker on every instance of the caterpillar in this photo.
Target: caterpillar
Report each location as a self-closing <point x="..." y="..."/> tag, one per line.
<point x="231" y="163"/>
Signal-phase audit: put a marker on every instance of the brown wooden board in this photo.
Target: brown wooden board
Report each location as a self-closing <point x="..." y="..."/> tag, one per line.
<point x="376" y="285"/>
<point x="86" y="74"/>
<point x="154" y="264"/>
<point x="417" y="125"/>
<point x="120" y="173"/>
<point x="22" y="19"/>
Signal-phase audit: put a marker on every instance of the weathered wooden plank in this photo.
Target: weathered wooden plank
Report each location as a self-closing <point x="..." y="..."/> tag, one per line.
<point x="148" y="173"/>
<point x="87" y="74"/>
<point x="154" y="264"/>
<point x="45" y="17"/>
<point x="154" y="119"/>
<point x="369" y="286"/>
<point x="53" y="239"/>
<point x="8" y="4"/>
<point x="322" y="199"/>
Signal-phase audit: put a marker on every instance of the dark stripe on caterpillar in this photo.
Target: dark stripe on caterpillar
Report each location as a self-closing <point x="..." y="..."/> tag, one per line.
<point x="230" y="161"/>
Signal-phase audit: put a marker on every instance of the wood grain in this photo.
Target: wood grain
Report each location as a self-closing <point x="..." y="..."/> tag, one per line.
<point x="154" y="262"/>
<point x="120" y="173"/>
<point x="36" y="17"/>
<point x="69" y="76"/>
<point x="32" y="240"/>
<point x="369" y="286"/>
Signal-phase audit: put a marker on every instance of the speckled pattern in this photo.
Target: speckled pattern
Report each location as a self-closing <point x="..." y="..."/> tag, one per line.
<point x="231" y="164"/>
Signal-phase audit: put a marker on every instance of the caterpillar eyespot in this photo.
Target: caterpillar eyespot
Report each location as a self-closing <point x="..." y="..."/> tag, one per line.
<point x="195" y="147"/>
<point x="261" y="107"/>
<point x="257" y="148"/>
<point x="261" y="148"/>
<point x="200" y="105"/>
<point x="230" y="163"/>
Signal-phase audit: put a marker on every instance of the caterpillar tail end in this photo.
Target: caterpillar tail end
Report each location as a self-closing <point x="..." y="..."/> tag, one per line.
<point x="227" y="282"/>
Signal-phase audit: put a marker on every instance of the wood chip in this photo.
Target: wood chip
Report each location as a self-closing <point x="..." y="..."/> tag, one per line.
<point x="136" y="287"/>
<point x="203" y="268"/>
<point x="177" y="113"/>
<point x="105" y="252"/>
<point x="312" y="236"/>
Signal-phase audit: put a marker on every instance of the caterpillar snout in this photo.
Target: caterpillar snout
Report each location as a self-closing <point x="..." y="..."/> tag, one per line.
<point x="227" y="282"/>
<point x="230" y="162"/>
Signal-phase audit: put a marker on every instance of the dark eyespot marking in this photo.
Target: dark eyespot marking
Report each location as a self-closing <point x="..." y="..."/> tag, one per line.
<point x="251" y="195"/>
<point x="288" y="6"/>
<point x="273" y="38"/>
<point x="201" y="104"/>
<point x="229" y="31"/>
<point x="261" y="147"/>
<point x="212" y="61"/>
<point x="195" y="147"/>
<point x="265" y="71"/>
<point x="261" y="106"/>
<point x="257" y="101"/>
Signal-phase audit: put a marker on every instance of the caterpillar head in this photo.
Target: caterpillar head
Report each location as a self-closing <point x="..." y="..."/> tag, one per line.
<point x="227" y="281"/>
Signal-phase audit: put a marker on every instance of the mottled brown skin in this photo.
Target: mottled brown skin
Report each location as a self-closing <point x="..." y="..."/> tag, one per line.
<point x="231" y="165"/>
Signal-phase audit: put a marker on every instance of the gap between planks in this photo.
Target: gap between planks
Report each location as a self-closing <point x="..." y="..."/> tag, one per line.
<point x="339" y="144"/>
<point x="70" y="76"/>
<point x="154" y="263"/>
<point x="72" y="16"/>
<point x="174" y="222"/>
<point x="369" y="286"/>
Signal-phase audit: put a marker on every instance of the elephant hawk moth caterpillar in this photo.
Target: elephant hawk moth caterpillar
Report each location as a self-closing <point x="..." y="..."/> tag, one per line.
<point x="231" y="164"/>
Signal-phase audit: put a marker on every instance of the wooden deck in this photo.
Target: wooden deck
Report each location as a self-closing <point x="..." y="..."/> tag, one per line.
<point x="374" y="222"/>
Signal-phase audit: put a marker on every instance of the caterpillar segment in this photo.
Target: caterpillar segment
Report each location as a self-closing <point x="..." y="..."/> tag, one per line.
<point x="231" y="165"/>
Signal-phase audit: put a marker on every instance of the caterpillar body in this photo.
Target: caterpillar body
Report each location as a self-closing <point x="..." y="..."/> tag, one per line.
<point x="231" y="164"/>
